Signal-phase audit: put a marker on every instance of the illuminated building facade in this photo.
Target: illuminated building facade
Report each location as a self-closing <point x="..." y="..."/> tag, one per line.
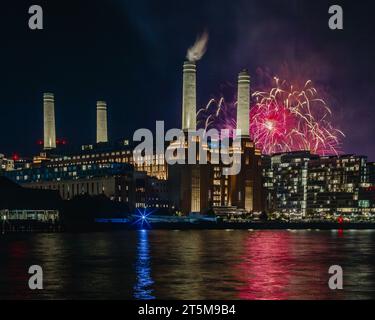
<point x="300" y="185"/>
<point x="5" y="163"/>
<point x="104" y="153"/>
<point x="246" y="187"/>
<point x="119" y="182"/>
<point x="285" y="183"/>
<point x="334" y="184"/>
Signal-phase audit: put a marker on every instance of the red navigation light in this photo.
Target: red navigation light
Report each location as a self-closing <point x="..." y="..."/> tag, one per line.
<point x="61" y="141"/>
<point x="40" y="142"/>
<point x="340" y="220"/>
<point x="15" y="157"/>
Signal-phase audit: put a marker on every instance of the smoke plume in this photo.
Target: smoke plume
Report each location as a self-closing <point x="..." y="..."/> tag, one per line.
<point x="199" y="48"/>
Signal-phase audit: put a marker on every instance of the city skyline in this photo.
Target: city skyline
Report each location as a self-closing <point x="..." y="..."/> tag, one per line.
<point x="106" y="69"/>
<point x="214" y="151"/>
<point x="294" y="185"/>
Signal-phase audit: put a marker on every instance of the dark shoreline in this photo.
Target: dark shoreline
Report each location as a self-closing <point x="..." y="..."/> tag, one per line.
<point x="253" y="225"/>
<point x="233" y="226"/>
<point x="109" y="226"/>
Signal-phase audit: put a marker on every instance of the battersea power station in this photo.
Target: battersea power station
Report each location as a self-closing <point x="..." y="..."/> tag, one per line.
<point x="293" y="185"/>
<point x="113" y="170"/>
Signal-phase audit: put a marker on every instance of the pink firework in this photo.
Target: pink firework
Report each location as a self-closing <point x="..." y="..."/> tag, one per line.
<point x="282" y="119"/>
<point x="272" y="127"/>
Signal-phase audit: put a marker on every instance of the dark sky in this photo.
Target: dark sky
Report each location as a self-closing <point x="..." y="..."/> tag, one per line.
<point x="130" y="53"/>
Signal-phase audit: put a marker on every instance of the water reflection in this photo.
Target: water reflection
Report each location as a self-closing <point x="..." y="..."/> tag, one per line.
<point x="195" y="264"/>
<point x="264" y="272"/>
<point x="294" y="264"/>
<point x="142" y="288"/>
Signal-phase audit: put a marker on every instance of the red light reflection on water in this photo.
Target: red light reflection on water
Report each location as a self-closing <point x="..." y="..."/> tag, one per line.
<point x="340" y="233"/>
<point x="264" y="267"/>
<point x="16" y="270"/>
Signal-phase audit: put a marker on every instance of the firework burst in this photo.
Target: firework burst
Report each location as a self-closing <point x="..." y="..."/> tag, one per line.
<point x="282" y="119"/>
<point x="217" y="114"/>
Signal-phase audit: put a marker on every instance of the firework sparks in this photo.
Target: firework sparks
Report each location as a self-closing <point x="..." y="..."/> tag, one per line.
<point x="282" y="119"/>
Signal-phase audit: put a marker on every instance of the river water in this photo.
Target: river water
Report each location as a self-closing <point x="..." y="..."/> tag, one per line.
<point x="222" y="264"/>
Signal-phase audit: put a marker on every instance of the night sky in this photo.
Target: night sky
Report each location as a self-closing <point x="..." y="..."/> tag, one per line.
<point x="130" y="53"/>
